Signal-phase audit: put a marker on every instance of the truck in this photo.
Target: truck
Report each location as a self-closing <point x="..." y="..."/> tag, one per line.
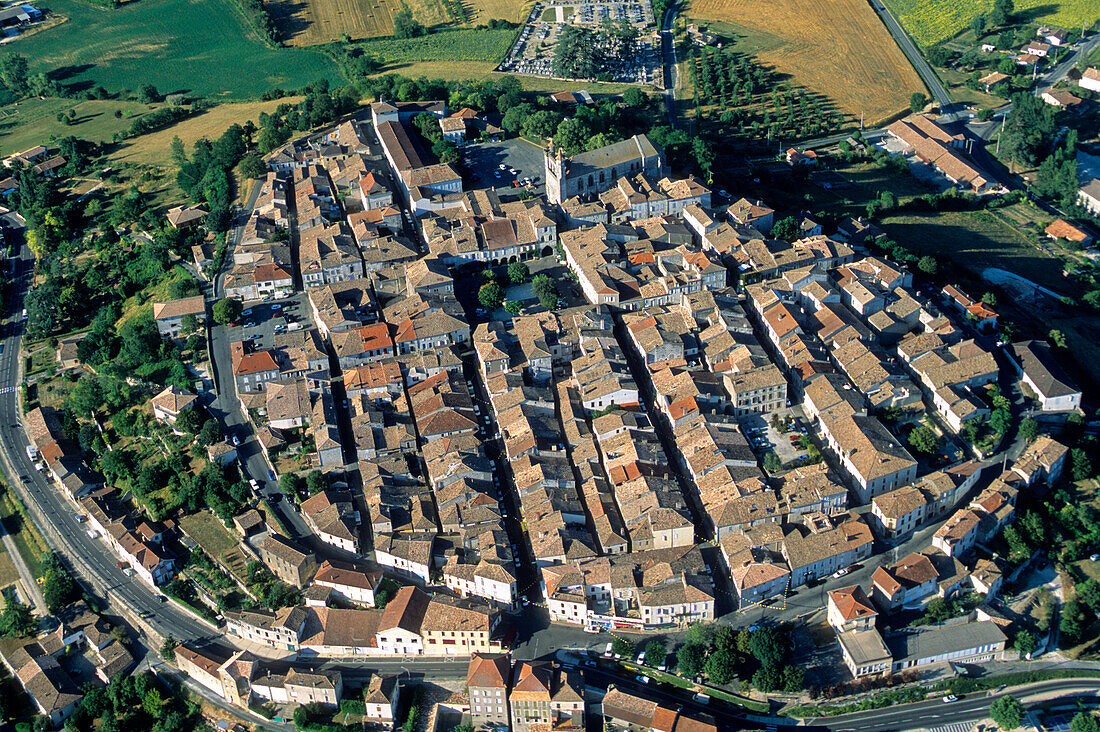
<point x="294" y="326"/>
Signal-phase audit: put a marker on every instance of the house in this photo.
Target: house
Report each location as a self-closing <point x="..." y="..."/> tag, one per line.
<point x="487" y="685"/>
<point x="333" y="517"/>
<point x="287" y="560"/>
<point x="1043" y="375"/>
<point x="453" y="129"/>
<point x="51" y="689"/>
<point x="1090" y="79"/>
<point x="50" y="168"/>
<point x="910" y="580"/>
<point x="1088" y="196"/>
<point x="571" y="98"/>
<point x="1062" y="229"/>
<point x="796" y="157"/>
<point x="169" y="403"/>
<point x="1061" y="99"/>
<point x="170" y="315"/>
<point x="184" y="217"/>
<point x="700" y="36"/>
<point x="849" y="609"/>
<point x="349" y="582"/>
<point x="991" y="80"/>
<point x="1035" y="48"/>
<point x="1042" y="461"/>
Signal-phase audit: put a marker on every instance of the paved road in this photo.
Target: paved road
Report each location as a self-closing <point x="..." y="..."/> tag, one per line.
<point x="1059" y="72"/>
<point x="226" y="408"/>
<point x="923" y="69"/>
<point x="969" y="708"/>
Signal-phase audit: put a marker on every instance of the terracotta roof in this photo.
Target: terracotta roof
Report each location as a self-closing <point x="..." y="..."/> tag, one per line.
<point x="852" y="603"/>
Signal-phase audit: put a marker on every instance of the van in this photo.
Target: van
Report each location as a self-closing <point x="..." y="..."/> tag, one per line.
<point x="607" y="651"/>
<point x="701" y="698"/>
<point x="255" y="486"/>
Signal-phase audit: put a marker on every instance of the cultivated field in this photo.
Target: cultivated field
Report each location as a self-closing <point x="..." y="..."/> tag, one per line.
<point x="307" y="22"/>
<point x="838" y="49"/>
<point x="201" y="48"/>
<point x="932" y="21"/>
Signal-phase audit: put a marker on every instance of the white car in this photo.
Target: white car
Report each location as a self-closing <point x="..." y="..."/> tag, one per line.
<point x="840" y="573"/>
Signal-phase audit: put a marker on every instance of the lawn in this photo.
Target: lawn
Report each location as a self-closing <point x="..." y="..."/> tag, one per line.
<point x="933" y="21"/>
<point x="839" y="50"/>
<point x="185" y="46"/>
<point x="8" y="574"/>
<point x="28" y="542"/>
<point x="206" y="529"/>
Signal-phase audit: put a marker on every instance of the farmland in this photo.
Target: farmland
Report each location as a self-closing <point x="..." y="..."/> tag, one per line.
<point x="840" y="50"/>
<point x="202" y="49"/>
<point x="931" y="21"/>
<point x="29" y="122"/>
<point x="322" y="21"/>
<point x="487" y="46"/>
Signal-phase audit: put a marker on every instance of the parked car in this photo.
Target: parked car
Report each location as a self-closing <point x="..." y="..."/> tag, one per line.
<point x="642" y="679"/>
<point x="950" y="698"/>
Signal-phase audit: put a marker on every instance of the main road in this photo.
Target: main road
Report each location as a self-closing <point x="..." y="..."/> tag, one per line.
<point x="53" y="513"/>
<point x="923" y="69"/>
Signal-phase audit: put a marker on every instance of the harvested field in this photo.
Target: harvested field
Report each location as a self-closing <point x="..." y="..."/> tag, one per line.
<point x="153" y="149"/>
<point x="308" y="22"/>
<point x="932" y="21"/>
<point x="839" y="50"/>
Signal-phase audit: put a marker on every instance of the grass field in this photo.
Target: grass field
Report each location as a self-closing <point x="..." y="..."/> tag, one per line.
<point x="307" y="22"/>
<point x="932" y="21"/>
<point x="487" y="46"/>
<point x="199" y="47"/>
<point x="209" y="532"/>
<point x="32" y="121"/>
<point x="839" y="50"/>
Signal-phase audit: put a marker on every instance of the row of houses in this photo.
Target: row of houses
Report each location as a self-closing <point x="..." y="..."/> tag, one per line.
<point x="412" y="623"/>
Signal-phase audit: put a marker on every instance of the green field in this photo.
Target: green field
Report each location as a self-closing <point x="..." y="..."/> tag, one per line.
<point x="487" y="46"/>
<point x="974" y="240"/>
<point x="187" y="46"/>
<point x="932" y="21"/>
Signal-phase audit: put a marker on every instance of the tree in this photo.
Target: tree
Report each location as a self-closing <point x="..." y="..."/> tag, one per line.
<point x="1029" y="429"/>
<point x="405" y="25"/>
<point x="772" y="463"/>
<point x="721" y="667"/>
<point x="513" y="307"/>
<point x="794" y="678"/>
<point x="788" y="229"/>
<point x="14" y="73"/>
<point x="690" y="659"/>
<point x="226" y="310"/>
<point x="1001" y="13"/>
<point x="291" y="483"/>
<point x="189" y="323"/>
<point x="928" y="265"/>
<point x="769" y="646"/>
<point x="571" y="135"/>
<point x="917" y="102"/>
<point x="1084" y="721"/>
<point x="1057" y="337"/>
<point x="148" y="94"/>
<point x="58" y="586"/>
<point x="1072" y="625"/>
<point x="656" y="652"/>
<point x="622" y="647"/>
<point x="1025" y="643"/>
<point x="766" y="678"/>
<point x="168" y="649"/>
<point x="978" y="25"/>
<point x="635" y="97"/>
<point x="16" y="620"/>
<point x="1080" y="464"/>
<point x="315" y="482"/>
<point x="924" y="440"/>
<point x="544" y="290"/>
<point x="490" y="295"/>
<point x="700" y="634"/>
<point x="518" y="272"/>
<point x="190" y="420"/>
<point x="252" y="166"/>
<point x="1007" y="712"/>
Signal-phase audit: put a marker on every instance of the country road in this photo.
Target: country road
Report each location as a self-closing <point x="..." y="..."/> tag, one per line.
<point x="923" y="69"/>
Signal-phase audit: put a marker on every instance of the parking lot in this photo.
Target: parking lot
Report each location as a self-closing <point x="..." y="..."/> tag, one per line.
<point x="262" y="322"/>
<point x="765" y="438"/>
<point x="484" y="161"/>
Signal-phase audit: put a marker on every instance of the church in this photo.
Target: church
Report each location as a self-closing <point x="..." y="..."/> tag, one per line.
<point x="595" y="171"/>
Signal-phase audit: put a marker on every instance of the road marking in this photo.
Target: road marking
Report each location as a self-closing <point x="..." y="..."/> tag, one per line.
<point x="8" y="389"/>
